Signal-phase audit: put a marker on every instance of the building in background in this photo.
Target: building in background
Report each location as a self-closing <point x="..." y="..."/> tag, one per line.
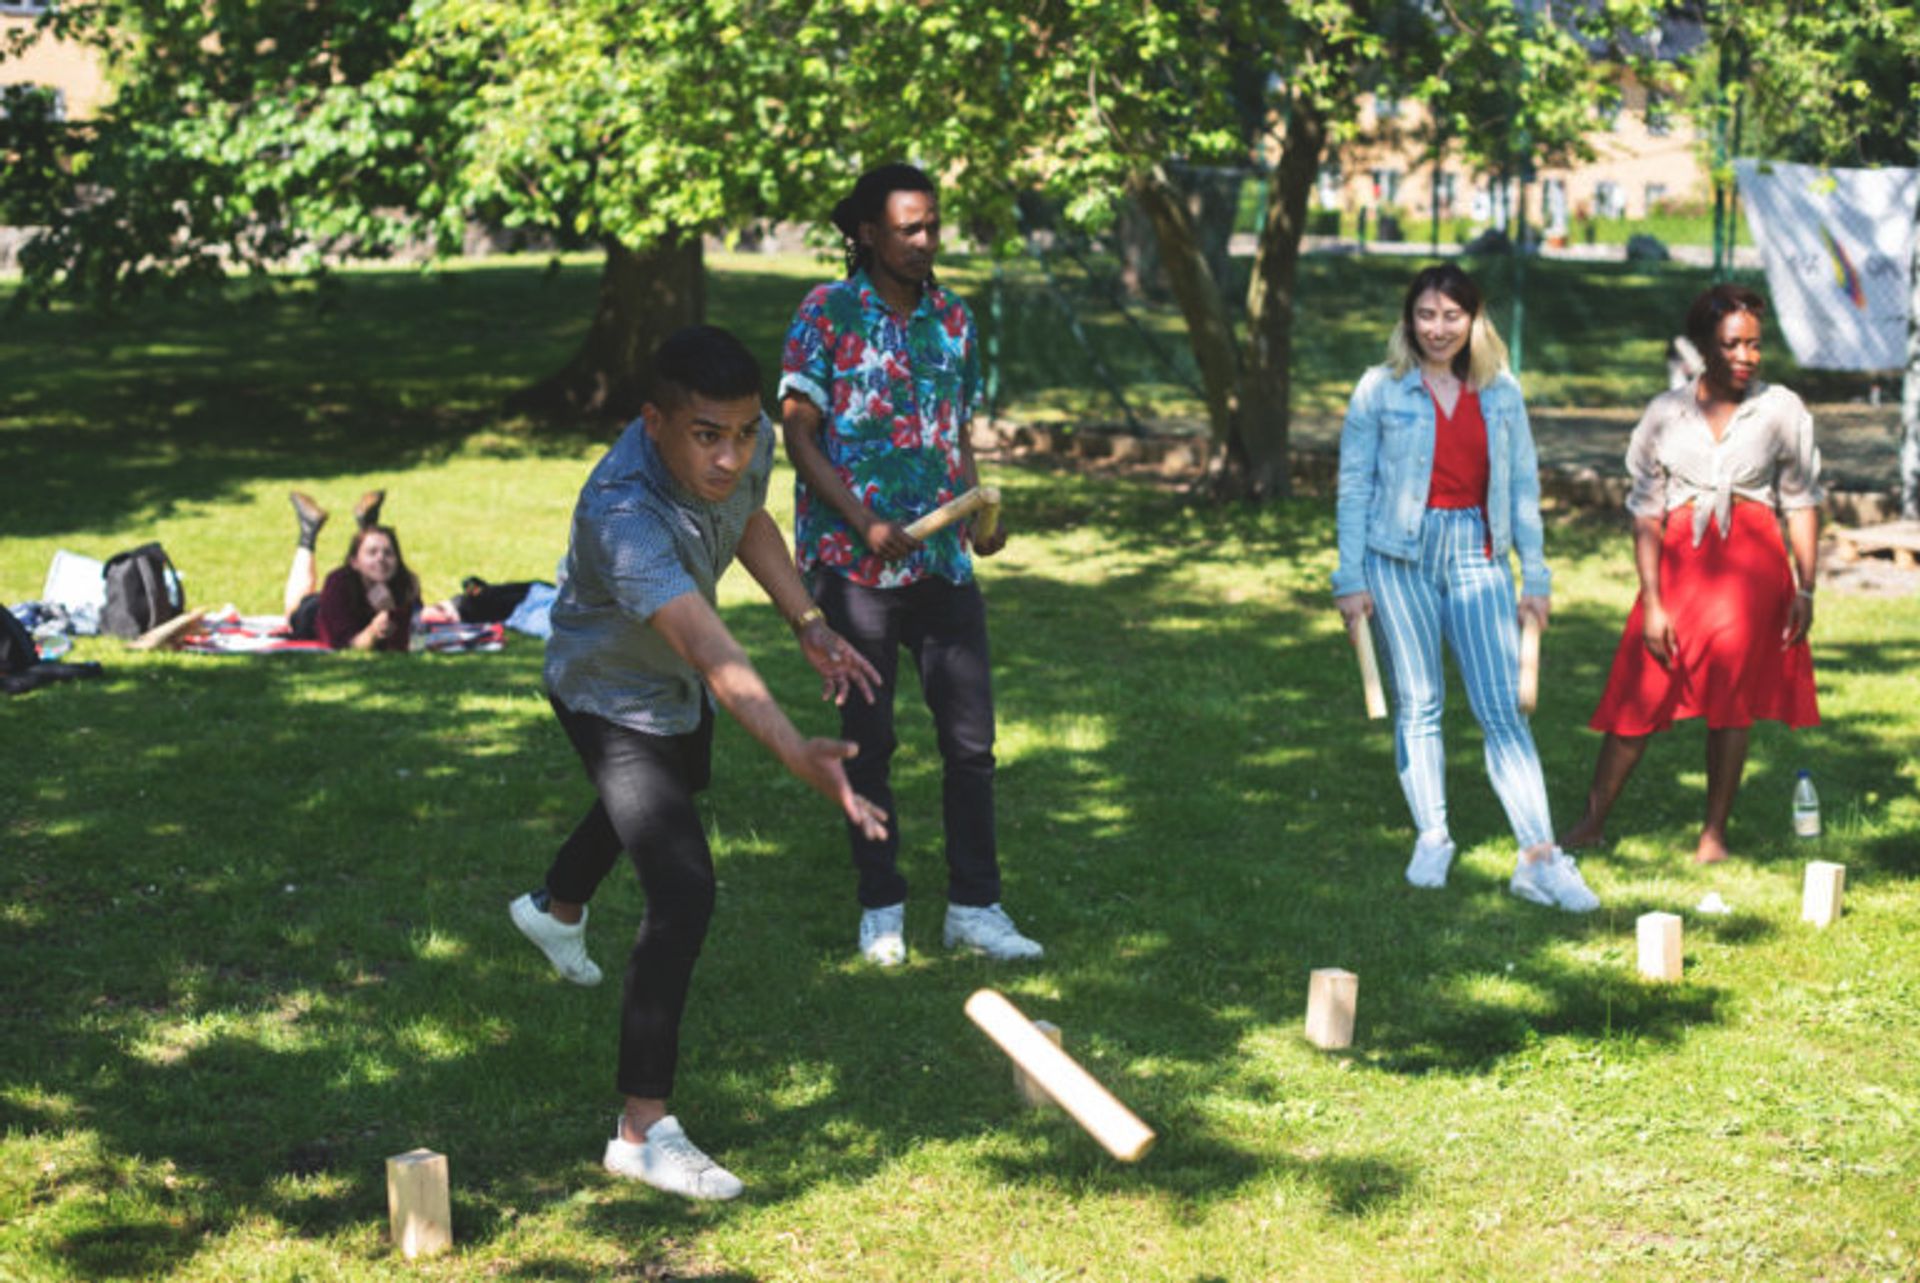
<point x="67" y="71"/>
<point x="1647" y="158"/>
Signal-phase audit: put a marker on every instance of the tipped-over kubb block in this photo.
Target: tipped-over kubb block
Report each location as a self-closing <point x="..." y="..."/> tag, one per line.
<point x="1659" y="936"/>
<point x="1820" y="903"/>
<point x="1030" y="1091"/>
<point x="1332" y="995"/>
<point x="419" y="1205"/>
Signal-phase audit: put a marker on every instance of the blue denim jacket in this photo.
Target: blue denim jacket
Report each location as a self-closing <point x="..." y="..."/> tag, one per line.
<point x="1386" y="467"/>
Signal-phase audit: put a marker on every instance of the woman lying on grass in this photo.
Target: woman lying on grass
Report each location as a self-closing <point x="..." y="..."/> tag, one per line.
<point x="369" y="601"/>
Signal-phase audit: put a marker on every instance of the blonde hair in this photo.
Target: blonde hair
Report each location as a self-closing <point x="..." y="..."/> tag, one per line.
<point x="1486" y="355"/>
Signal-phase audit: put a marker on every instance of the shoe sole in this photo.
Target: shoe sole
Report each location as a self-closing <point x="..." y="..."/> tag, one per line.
<point x="1535" y="896"/>
<point x="1532" y="894"/>
<point x="626" y="1174"/>
<point x="983" y="952"/>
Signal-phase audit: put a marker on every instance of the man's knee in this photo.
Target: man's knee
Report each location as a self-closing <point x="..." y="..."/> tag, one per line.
<point x="681" y="906"/>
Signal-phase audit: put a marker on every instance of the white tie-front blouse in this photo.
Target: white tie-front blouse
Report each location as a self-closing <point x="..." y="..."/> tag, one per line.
<point x="1766" y="454"/>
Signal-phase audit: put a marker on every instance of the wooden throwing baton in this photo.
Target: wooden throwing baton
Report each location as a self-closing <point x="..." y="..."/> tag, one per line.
<point x="1529" y="662"/>
<point x="1119" y="1131"/>
<point x="987" y="497"/>
<point x="1361" y="631"/>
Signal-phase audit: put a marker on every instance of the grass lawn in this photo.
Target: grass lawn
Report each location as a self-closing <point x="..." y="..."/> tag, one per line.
<point x="252" y="910"/>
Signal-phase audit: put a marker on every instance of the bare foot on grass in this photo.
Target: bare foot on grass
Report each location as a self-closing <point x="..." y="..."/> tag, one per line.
<point x="1583" y="836"/>
<point x="1712" y="849"/>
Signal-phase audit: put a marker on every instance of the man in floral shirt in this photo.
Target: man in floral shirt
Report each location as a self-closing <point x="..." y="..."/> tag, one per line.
<point x="878" y="380"/>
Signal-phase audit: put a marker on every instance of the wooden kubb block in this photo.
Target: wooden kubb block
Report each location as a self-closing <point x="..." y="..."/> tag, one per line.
<point x="1332" y="995"/>
<point x="419" y="1205"/>
<point x="1660" y="952"/>
<point x="1030" y="1091"/>
<point x="1820" y="903"/>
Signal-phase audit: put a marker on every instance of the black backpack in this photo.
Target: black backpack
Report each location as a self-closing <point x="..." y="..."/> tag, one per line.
<point x="140" y="591"/>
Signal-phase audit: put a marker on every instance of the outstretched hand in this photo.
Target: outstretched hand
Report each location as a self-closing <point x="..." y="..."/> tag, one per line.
<point x="820" y="763"/>
<point x="841" y="667"/>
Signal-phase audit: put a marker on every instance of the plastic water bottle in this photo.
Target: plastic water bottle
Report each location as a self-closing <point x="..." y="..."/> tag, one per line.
<point x="1806" y="807"/>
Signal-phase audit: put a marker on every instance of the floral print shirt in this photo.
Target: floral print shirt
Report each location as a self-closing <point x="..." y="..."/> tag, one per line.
<point x="895" y="395"/>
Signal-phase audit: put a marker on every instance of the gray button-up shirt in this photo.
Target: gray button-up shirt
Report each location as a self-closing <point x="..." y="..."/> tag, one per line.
<point x="640" y="540"/>
<point x="1766" y="454"/>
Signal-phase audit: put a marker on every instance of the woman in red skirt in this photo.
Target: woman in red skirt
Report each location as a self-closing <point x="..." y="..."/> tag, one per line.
<point x="1720" y="627"/>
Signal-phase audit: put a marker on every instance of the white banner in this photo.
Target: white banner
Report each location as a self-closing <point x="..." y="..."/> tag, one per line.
<point x="1837" y="244"/>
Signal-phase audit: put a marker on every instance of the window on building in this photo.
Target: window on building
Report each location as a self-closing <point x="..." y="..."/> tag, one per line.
<point x="1446" y="189"/>
<point x="1608" y="200"/>
<point x="1386" y="107"/>
<point x="1656" y="197"/>
<point x="1659" y="115"/>
<point x="1553" y="206"/>
<point x="24" y="8"/>
<point x="54" y="100"/>
<point x="1608" y="109"/>
<point x="1386" y="185"/>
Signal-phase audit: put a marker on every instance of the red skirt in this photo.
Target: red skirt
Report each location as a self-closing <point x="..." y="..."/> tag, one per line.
<point x="1729" y="600"/>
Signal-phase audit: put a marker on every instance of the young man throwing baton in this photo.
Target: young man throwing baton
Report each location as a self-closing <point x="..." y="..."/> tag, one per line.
<point x="637" y="660"/>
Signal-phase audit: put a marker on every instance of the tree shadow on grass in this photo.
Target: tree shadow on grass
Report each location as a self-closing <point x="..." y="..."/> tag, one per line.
<point x="116" y="420"/>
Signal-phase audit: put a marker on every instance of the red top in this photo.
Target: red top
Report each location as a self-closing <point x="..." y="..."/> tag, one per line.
<point x="344" y="612"/>
<point x="1459" y="454"/>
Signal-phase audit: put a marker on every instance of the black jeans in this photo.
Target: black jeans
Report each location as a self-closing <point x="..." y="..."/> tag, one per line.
<point x="944" y="627"/>
<point x="646" y="785"/>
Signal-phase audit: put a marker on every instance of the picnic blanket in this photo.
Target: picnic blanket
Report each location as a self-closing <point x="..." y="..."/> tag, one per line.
<point x="231" y="633"/>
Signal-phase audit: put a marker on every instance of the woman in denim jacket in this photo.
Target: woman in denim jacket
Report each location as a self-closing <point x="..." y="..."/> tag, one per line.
<point x="1439" y="484"/>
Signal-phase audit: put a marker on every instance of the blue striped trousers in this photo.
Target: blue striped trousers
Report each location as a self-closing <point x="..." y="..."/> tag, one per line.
<point x="1455" y="593"/>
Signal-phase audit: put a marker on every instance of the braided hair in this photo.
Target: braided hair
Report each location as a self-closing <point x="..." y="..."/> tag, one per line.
<point x="867" y="203"/>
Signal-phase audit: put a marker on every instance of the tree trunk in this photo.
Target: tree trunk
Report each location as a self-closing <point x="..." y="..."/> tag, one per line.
<point x="1209" y="328"/>
<point x="1910" y="389"/>
<point x="1248" y="392"/>
<point x="645" y="295"/>
<point x="1266" y="405"/>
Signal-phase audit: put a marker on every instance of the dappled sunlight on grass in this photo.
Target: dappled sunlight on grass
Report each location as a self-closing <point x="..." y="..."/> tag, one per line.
<point x="256" y="906"/>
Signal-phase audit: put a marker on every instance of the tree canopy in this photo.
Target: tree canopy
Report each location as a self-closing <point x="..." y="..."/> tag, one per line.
<point x="250" y="135"/>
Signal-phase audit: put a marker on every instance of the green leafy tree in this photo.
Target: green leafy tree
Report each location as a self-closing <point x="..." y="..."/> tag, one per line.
<point x="245" y="135"/>
<point x="1106" y="100"/>
<point x="1861" y="64"/>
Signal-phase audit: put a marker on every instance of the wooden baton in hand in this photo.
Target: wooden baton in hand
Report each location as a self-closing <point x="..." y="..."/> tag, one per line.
<point x="1529" y="662"/>
<point x="1362" y="634"/>
<point x="953" y="510"/>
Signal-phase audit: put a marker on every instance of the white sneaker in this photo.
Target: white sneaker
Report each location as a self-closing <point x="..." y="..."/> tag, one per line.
<point x="987" y="929"/>
<point x="667" y="1160"/>
<point x="565" y="945"/>
<point x="1554" y="880"/>
<point x="883" y="941"/>
<point x="1431" y="857"/>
